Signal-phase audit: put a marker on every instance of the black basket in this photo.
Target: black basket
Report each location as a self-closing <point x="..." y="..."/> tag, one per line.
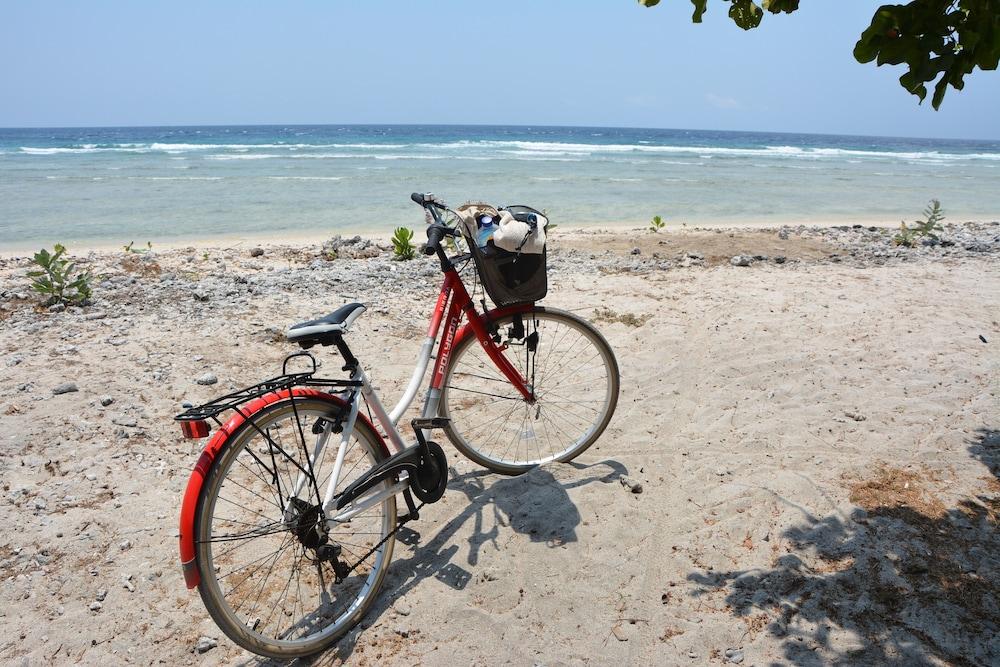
<point x="512" y="278"/>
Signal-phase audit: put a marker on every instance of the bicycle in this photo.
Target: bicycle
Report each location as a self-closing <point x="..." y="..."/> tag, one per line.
<point x="288" y="539"/>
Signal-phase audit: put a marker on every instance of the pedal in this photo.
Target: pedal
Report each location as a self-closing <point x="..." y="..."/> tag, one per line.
<point x="428" y="423"/>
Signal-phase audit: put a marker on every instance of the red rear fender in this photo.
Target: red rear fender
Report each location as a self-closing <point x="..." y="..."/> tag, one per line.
<point x="192" y="493"/>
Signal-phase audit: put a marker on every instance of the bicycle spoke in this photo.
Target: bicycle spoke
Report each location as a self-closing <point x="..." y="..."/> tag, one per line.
<point x="266" y="580"/>
<point x="570" y="371"/>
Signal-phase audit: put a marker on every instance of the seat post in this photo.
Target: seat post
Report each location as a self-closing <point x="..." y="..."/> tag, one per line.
<point x="350" y="361"/>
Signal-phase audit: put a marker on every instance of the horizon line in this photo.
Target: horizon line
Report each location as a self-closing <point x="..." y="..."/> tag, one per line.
<point x="480" y="125"/>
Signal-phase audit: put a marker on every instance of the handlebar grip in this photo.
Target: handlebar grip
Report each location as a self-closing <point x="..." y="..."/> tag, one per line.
<point x="417" y="198"/>
<point x="434" y="235"/>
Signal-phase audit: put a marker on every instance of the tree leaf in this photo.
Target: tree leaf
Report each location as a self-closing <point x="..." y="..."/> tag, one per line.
<point x="778" y="6"/>
<point x="699" y="10"/>
<point x="910" y="82"/>
<point x="937" y="40"/>
<point x="746" y="14"/>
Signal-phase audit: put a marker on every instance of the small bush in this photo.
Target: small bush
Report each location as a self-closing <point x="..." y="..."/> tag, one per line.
<point x="656" y="224"/>
<point x="929" y="226"/>
<point x="402" y="244"/>
<point x="905" y="236"/>
<point x="57" y="278"/>
<point x="138" y="251"/>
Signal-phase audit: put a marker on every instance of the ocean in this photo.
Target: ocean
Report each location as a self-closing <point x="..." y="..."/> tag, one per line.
<point x="162" y="184"/>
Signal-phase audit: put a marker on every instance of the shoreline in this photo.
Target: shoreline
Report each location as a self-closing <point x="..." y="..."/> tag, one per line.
<point x="278" y="238"/>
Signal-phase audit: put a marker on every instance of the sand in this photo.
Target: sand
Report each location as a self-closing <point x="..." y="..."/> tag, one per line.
<point x="818" y="444"/>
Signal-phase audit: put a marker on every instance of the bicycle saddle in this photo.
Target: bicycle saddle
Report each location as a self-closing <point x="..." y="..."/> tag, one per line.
<point x="315" y="331"/>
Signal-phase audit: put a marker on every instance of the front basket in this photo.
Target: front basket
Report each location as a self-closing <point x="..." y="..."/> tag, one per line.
<point x="511" y="278"/>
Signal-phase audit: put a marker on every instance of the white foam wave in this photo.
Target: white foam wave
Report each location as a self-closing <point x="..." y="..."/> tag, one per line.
<point x="566" y="148"/>
<point x="306" y="178"/>
<point x="492" y="149"/>
<point x="174" y="178"/>
<point x="545" y="153"/>
<point x="53" y="151"/>
<point x="546" y="159"/>
<point x="243" y="156"/>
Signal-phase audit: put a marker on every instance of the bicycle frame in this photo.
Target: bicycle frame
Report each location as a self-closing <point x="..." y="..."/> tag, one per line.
<point x="452" y="304"/>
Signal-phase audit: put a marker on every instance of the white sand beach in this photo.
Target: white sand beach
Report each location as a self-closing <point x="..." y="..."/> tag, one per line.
<point x="817" y="443"/>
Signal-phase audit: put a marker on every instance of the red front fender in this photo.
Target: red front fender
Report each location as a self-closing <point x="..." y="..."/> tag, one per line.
<point x="189" y="506"/>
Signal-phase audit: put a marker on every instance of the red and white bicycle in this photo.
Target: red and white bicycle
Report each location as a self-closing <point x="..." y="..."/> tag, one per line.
<point x="288" y="536"/>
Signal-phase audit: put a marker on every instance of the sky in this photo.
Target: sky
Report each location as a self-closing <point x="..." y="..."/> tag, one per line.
<point x="515" y="62"/>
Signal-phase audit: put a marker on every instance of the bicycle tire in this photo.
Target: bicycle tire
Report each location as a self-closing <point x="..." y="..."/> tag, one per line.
<point x="468" y="415"/>
<point x="251" y="636"/>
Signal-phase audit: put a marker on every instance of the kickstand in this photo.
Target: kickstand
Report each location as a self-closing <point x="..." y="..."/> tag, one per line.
<point x="413" y="514"/>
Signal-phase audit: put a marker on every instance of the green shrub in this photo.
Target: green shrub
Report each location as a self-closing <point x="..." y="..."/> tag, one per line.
<point x="656" y="224"/>
<point x="929" y="226"/>
<point x="402" y="246"/>
<point x="906" y="236"/>
<point x="129" y="249"/>
<point x="57" y="278"/>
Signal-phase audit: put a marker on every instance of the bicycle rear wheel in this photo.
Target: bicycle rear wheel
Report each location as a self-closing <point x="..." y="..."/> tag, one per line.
<point x="573" y="372"/>
<point x="262" y="577"/>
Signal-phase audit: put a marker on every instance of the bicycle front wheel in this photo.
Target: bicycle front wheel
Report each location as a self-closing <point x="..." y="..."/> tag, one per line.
<point x="276" y="576"/>
<point x="574" y="375"/>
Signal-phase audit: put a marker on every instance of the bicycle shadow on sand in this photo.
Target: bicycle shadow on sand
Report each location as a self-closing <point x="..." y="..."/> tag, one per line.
<point x="536" y="504"/>
<point x="904" y="580"/>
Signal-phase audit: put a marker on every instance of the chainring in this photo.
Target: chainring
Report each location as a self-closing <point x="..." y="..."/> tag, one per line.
<point x="431" y="478"/>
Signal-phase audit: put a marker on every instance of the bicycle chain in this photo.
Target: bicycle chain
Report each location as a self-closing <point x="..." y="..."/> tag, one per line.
<point x="410" y="516"/>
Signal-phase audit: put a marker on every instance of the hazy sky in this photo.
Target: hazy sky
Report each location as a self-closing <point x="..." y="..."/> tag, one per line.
<point x="551" y="62"/>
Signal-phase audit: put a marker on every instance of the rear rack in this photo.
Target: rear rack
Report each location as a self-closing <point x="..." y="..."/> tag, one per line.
<point x="286" y="380"/>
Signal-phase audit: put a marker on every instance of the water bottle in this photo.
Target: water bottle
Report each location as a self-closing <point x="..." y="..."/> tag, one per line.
<point x="486" y="228"/>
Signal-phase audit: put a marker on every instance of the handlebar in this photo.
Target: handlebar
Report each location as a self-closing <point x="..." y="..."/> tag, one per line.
<point x="426" y="200"/>
<point x="437" y="230"/>
<point x="434" y="235"/>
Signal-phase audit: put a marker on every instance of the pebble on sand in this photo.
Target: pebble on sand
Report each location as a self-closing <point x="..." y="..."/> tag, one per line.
<point x="207" y="379"/>
<point x="205" y="644"/>
<point x="741" y="260"/>
<point x="631" y="484"/>
<point x="65" y="388"/>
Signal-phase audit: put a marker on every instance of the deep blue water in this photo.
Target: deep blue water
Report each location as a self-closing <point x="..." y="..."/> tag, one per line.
<point x="121" y="184"/>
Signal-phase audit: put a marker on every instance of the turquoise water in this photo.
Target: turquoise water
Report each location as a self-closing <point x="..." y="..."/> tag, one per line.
<point x="120" y="184"/>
